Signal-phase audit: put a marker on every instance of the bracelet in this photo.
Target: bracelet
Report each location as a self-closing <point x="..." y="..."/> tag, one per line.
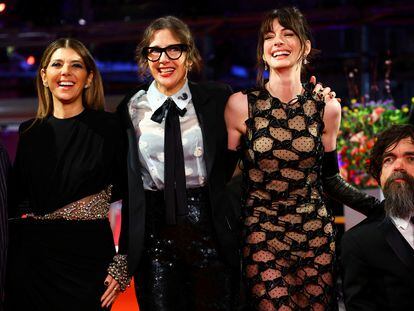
<point x="118" y="269"/>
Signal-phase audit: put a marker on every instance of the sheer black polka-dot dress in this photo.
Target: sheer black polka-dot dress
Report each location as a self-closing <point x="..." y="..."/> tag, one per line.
<point x="288" y="236"/>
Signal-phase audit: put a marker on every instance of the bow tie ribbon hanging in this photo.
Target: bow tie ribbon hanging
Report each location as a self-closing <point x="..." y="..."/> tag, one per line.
<point x="174" y="172"/>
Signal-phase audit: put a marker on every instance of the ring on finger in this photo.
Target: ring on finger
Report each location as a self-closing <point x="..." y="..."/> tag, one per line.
<point x="320" y="94"/>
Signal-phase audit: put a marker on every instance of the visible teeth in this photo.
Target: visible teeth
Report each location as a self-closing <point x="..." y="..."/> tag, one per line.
<point x="166" y="69"/>
<point x="66" y="83"/>
<point x="281" y="53"/>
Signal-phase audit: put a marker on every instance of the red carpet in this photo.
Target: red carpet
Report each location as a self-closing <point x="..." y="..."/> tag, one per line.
<point x="126" y="301"/>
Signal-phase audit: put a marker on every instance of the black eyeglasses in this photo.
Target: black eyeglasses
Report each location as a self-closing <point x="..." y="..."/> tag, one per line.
<point x="174" y="51"/>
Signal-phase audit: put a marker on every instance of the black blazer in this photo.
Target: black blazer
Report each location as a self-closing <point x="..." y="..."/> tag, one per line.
<point x="209" y="100"/>
<point x="378" y="267"/>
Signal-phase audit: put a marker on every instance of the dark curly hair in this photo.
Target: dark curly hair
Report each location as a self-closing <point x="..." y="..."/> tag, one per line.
<point x="386" y="139"/>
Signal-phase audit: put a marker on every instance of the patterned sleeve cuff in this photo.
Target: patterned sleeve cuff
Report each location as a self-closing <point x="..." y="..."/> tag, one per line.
<point x="118" y="269"/>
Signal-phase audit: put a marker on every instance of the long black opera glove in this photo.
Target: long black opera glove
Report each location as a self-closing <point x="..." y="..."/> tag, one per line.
<point x="340" y="190"/>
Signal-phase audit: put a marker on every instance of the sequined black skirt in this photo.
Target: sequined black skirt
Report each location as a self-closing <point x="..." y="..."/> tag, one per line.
<point x="181" y="267"/>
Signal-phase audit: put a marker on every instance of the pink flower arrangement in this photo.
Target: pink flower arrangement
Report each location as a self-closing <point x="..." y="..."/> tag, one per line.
<point x="360" y="123"/>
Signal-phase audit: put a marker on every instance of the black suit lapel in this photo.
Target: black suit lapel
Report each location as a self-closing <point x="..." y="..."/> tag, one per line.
<point x="398" y="243"/>
<point x="136" y="196"/>
<point x="205" y="114"/>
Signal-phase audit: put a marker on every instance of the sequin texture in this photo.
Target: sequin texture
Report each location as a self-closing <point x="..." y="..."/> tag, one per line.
<point x="181" y="268"/>
<point x="93" y="207"/>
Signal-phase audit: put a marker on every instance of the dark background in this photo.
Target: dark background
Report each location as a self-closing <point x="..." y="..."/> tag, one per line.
<point x="356" y="39"/>
<point x="354" y="36"/>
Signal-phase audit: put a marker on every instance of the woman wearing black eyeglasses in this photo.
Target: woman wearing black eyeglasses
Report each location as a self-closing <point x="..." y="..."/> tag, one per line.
<point x="180" y="231"/>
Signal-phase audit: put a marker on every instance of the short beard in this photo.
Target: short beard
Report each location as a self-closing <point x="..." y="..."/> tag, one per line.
<point x="399" y="196"/>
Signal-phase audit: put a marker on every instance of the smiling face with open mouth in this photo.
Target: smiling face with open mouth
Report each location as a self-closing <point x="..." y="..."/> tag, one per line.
<point x="66" y="76"/>
<point x="169" y="74"/>
<point x="282" y="47"/>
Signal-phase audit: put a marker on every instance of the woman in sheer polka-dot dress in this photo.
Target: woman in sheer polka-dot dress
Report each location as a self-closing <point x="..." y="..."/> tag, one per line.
<point x="283" y="130"/>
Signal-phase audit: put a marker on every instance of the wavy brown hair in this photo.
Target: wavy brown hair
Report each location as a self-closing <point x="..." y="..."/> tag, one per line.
<point x="180" y="30"/>
<point x="92" y="97"/>
<point x="290" y="18"/>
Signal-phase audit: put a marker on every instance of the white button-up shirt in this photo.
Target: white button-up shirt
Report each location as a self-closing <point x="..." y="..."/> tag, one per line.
<point x="150" y="137"/>
<point x="406" y="228"/>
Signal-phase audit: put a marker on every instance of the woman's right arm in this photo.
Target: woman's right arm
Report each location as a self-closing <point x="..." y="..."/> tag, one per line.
<point x="235" y="115"/>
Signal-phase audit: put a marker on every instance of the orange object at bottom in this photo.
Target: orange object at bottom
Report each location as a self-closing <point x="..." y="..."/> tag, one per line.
<point x="127" y="300"/>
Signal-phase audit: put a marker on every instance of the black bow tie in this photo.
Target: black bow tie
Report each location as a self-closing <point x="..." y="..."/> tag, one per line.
<point x="161" y="112"/>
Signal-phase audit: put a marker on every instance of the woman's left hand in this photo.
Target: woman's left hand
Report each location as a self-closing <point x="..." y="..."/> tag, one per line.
<point x="322" y="93"/>
<point x="111" y="293"/>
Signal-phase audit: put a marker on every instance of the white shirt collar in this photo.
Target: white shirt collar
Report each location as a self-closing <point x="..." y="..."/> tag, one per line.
<point x="400" y="222"/>
<point x="156" y="98"/>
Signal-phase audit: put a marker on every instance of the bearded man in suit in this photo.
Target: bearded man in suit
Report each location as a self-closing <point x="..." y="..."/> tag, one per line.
<point x="378" y="254"/>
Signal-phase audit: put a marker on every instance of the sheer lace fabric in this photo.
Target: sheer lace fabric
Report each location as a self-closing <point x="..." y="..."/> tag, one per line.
<point x="288" y="250"/>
